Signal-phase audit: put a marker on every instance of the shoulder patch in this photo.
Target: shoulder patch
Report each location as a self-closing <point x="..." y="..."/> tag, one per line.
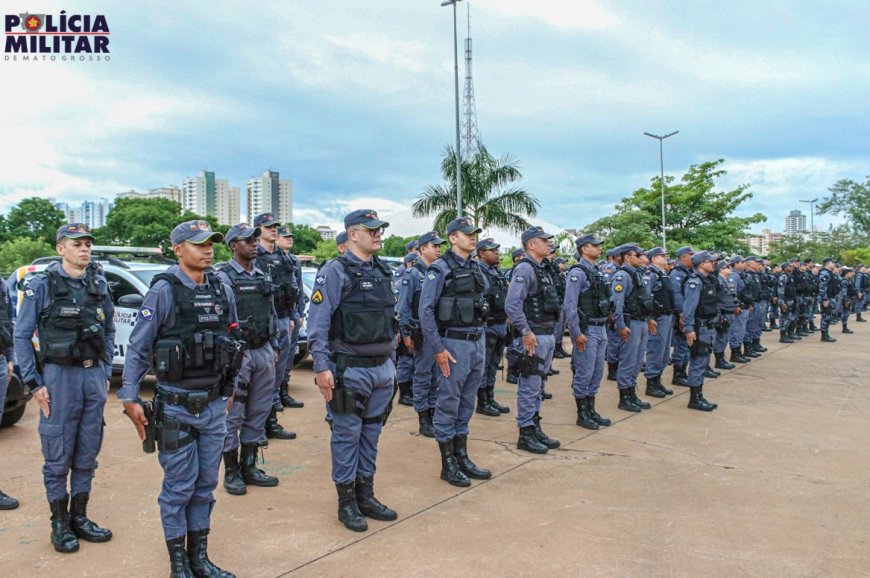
<point x="519" y="279"/>
<point x="146" y="313"/>
<point x="28" y="293"/>
<point x="317" y="297"/>
<point x="430" y="275"/>
<point x="692" y="284"/>
<point x="573" y="278"/>
<point x="404" y="281"/>
<point x="319" y="280"/>
<point x="618" y="288"/>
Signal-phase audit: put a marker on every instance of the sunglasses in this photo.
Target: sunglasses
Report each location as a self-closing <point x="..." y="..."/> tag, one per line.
<point x="371" y="232"/>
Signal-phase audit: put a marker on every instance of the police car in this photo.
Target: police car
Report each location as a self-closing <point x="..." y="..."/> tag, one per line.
<point x="129" y="271"/>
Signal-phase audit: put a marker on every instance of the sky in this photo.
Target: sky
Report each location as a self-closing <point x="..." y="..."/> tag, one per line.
<point x="354" y="100"/>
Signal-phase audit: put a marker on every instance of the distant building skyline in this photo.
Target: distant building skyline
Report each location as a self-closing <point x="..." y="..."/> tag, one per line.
<point x="207" y="195"/>
<point x="91" y="213"/>
<point x="270" y="193"/>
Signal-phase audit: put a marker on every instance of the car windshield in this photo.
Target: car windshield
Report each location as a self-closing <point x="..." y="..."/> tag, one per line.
<point x="308" y="280"/>
<point x="146" y="275"/>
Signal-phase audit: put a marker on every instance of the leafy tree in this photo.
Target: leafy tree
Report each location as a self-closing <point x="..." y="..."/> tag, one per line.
<point x="21" y="251"/>
<point x="489" y="194"/>
<point x="35" y="218"/>
<point x="305" y="239"/>
<point x="852" y="200"/>
<point x="394" y="246"/>
<point x="326" y="249"/>
<point x="696" y="213"/>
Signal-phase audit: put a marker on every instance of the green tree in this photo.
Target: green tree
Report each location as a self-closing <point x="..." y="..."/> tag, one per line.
<point x="489" y="193"/>
<point x="305" y="239"/>
<point x="696" y="213"/>
<point x="394" y="246"/>
<point x="852" y="200"/>
<point x="22" y="251"/>
<point x="326" y="249"/>
<point x="35" y="218"/>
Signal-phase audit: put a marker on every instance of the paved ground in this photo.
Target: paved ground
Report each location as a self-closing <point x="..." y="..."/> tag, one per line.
<point x="773" y="483"/>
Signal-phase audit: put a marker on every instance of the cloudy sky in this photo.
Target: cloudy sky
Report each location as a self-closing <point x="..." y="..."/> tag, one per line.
<point x="354" y="100"/>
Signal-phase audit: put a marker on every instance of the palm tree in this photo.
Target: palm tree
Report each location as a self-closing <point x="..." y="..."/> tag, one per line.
<point x="489" y="195"/>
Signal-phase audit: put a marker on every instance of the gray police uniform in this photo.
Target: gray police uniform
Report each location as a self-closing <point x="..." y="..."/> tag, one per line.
<point x="614" y="343"/>
<point x="76" y="345"/>
<point x="828" y="291"/>
<point x="7" y="349"/>
<point x="700" y="315"/>
<point x="495" y="292"/>
<point x="178" y="330"/>
<point x="424" y="385"/>
<point x="405" y="359"/>
<point x="631" y="308"/>
<point x="658" y="347"/>
<point x="680" y="357"/>
<point x="298" y="318"/>
<point x="737" y="332"/>
<point x="755" y="319"/>
<point x="727" y="300"/>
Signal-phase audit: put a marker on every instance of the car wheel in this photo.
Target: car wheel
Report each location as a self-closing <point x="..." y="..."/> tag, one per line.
<point x="10" y="418"/>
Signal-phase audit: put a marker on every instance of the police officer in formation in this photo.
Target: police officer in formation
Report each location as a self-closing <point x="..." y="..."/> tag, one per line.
<point x="286" y="278"/>
<point x="7" y="364"/>
<point x="284" y="241"/>
<point x="252" y="401"/>
<point x="586" y="307"/>
<point x="495" y="293"/>
<point x="700" y="317"/>
<point x="786" y="292"/>
<point x="406" y="357"/>
<point x="728" y="305"/>
<point x="532" y="305"/>
<point x="862" y="284"/>
<point x="514" y="338"/>
<point x="352" y="339"/>
<point x="658" y="349"/>
<point x="453" y="314"/>
<point x="614" y="343"/>
<point x="184" y="330"/>
<point x="424" y="381"/>
<point x="680" y="357"/>
<point x="70" y="305"/>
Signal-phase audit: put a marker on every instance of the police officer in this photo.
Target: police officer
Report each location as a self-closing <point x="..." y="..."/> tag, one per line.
<point x="754" y="324"/>
<point x="246" y="420"/>
<point x="285" y="242"/>
<point x="585" y="307"/>
<point x="700" y="311"/>
<point x="405" y="355"/>
<point x="410" y="248"/>
<point x="787" y="296"/>
<point x="862" y="284"/>
<point x="495" y="292"/>
<point x="453" y="314"/>
<point x="614" y="343"/>
<point x="287" y="292"/>
<point x="847" y="297"/>
<point x="678" y="274"/>
<point x="727" y="298"/>
<point x="775" y="272"/>
<point x="514" y="338"/>
<point x="70" y="305"/>
<point x="658" y="348"/>
<point x="532" y="305"/>
<point x="7" y="359"/>
<point x="424" y="384"/>
<point x="559" y="268"/>
<point x="737" y="330"/>
<point x="632" y="307"/>
<point x="183" y="330"/>
<point x="352" y="339"/>
<point x="341" y="242"/>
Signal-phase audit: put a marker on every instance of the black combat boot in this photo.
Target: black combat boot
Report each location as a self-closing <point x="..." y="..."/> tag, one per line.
<point x="559" y="352"/>
<point x="802" y="330"/>
<point x="179" y="567"/>
<point x="450" y="471"/>
<point x="483" y="404"/>
<point x="590" y="403"/>
<point x="197" y="555"/>
<point x="406" y="396"/>
<point x="784" y="338"/>
<point x="274" y="430"/>
<point x="748" y="352"/>
<point x="704" y="399"/>
<point x="584" y="418"/>
<point x="859" y="319"/>
<point x="542" y="437"/>
<point x="544" y="393"/>
<point x="697" y="401"/>
<point x="773" y="324"/>
<point x="7" y="503"/>
<point x="460" y="451"/>
<point x="490" y="396"/>
<point x="737" y="357"/>
<point x="757" y="346"/>
<point x="680" y="376"/>
<point x="812" y="326"/>
<point x="654" y="387"/>
<point x="83" y="527"/>
<point x="846" y="328"/>
<point x="348" y="509"/>
<point x="287" y="400"/>
<point x="826" y="338"/>
<point x="626" y="402"/>
<point x="233" y="482"/>
<point x="663" y="388"/>
<point x="612" y="368"/>
<point x="528" y="441"/>
<point x="368" y="504"/>
<point x="711" y="373"/>
<point x="638" y="401"/>
<point x="765" y="328"/>
<point x="253" y="475"/>
<point x="62" y="537"/>
<point x="426" y="429"/>
<point x="721" y="363"/>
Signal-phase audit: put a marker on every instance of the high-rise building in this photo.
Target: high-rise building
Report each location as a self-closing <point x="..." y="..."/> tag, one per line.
<point x="206" y="195"/>
<point x="91" y="213"/>
<point x="326" y="232"/>
<point x="270" y="193"/>
<point x="795" y="223"/>
<point x="171" y="193"/>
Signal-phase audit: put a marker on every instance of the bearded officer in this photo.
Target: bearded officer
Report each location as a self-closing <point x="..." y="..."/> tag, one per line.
<point x="352" y="339"/>
<point x="701" y="312"/>
<point x="453" y="313"/>
<point x="7" y="359"/>
<point x="533" y="305"/>
<point x="495" y="291"/>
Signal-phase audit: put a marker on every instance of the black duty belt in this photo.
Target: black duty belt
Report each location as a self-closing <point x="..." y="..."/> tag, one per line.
<point x="460" y="335"/>
<point x="540" y="330"/>
<point x="361" y="360"/>
<point x="708" y="323"/>
<point x="86" y="363"/>
<point x="194" y="401"/>
<point x="601" y="323"/>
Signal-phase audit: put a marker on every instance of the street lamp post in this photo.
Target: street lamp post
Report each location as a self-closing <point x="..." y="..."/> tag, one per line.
<point x="812" y="212"/>
<point x="456" y="74"/>
<point x="662" y="180"/>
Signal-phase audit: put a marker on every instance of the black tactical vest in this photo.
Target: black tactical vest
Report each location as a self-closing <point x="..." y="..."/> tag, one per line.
<point x="282" y="269"/>
<point x="5" y="321"/>
<point x="789" y="291"/>
<point x="749" y="293"/>
<point x="594" y="304"/>
<point x="253" y="307"/>
<point x="73" y="327"/>
<point x="637" y="304"/>
<point x="498" y="287"/>
<point x="708" y="303"/>
<point x="185" y="354"/>
<point x="461" y="303"/>
<point x="663" y="297"/>
<point x="726" y="295"/>
<point x="542" y="307"/>
<point x="833" y="286"/>
<point x="366" y="313"/>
